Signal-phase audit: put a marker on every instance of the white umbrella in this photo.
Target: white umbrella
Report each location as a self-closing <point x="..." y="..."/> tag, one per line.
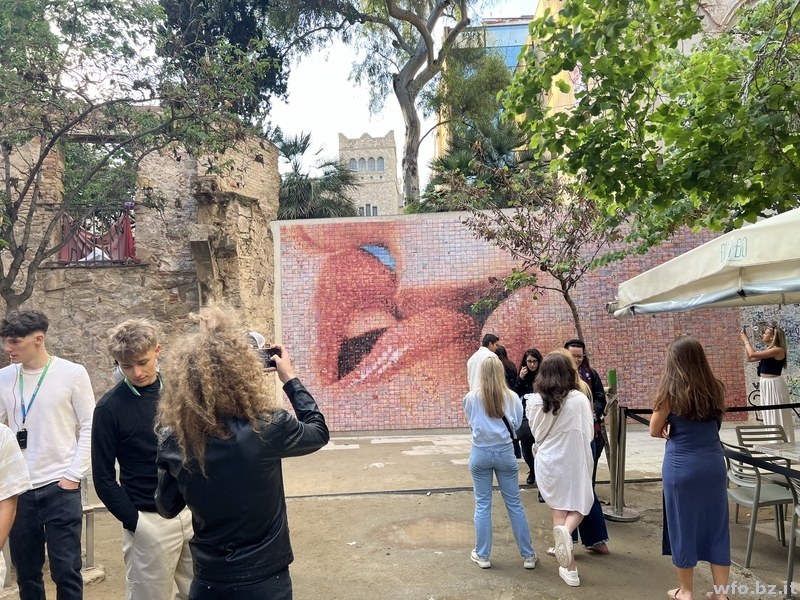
<point x="757" y="264"/>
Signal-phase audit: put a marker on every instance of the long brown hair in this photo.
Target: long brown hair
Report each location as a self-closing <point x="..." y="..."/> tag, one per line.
<point x="493" y="388"/>
<point x="688" y="387"/>
<point x="556" y="379"/>
<point x="210" y="377"/>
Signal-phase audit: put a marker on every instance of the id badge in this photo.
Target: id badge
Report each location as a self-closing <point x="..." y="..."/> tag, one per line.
<point x="22" y="439"/>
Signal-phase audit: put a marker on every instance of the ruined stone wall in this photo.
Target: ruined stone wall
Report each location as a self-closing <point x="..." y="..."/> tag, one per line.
<point x="227" y="213"/>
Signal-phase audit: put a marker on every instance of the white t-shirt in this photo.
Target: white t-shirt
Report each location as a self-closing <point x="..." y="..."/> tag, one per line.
<point x="59" y="422"/>
<point x="14" y="478"/>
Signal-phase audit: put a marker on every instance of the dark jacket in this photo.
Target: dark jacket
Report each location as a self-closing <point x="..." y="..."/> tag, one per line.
<point x="598" y="392"/>
<point x="241" y="531"/>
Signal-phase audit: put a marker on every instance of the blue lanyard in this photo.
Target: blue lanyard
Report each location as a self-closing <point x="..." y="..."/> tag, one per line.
<point x="36" y="391"/>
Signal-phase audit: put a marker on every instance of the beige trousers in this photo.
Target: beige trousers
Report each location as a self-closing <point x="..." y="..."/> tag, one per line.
<point x="158" y="563"/>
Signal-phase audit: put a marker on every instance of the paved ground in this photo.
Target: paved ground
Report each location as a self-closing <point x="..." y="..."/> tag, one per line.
<point x="389" y="515"/>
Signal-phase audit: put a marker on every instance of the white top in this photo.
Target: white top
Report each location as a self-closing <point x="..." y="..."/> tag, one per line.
<point x="59" y="422"/>
<point x="564" y="459"/>
<point x="474" y="367"/>
<point x="14" y="478"/>
<point x="487" y="431"/>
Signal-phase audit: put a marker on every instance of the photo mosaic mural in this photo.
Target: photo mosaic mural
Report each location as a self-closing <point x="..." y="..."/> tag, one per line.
<point x="377" y="314"/>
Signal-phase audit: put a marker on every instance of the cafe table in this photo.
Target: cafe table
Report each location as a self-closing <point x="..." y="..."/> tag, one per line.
<point x="790" y="450"/>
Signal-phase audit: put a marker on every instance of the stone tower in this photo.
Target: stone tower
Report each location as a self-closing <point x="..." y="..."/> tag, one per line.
<point x="375" y="161"/>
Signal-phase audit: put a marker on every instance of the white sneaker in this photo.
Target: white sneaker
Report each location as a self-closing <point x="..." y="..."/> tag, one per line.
<point x="570" y="577"/>
<point x="483" y="563"/>
<point x="563" y="540"/>
<point x="530" y="562"/>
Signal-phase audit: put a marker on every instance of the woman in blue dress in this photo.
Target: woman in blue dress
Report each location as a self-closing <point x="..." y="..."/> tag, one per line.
<point x="688" y="412"/>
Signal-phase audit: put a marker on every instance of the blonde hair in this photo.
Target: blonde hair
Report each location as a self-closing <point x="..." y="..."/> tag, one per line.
<point x="779" y="341"/>
<point x="493" y="388"/>
<point x="131" y="339"/>
<point x="210" y="377"/>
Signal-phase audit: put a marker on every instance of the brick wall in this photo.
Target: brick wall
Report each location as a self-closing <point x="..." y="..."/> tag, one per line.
<point x="377" y="317"/>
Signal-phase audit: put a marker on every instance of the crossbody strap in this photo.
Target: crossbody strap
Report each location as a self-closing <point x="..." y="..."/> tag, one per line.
<point x="511" y="433"/>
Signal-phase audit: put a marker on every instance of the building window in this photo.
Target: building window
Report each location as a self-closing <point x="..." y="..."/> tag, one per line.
<point x="360" y="211"/>
<point x="374" y="211"/>
<point x="367" y="211"/>
<point x="362" y="165"/>
<point x="353" y="166"/>
<point x="372" y="165"/>
<point x="380" y="163"/>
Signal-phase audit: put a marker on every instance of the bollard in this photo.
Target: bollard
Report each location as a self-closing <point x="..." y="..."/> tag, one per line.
<point x="613" y="437"/>
<point x="89" y="514"/>
<point x="618" y="511"/>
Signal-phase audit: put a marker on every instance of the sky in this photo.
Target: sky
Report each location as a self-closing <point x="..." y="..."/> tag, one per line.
<point x="322" y="101"/>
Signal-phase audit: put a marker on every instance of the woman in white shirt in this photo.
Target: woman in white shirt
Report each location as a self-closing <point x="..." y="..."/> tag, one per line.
<point x="561" y="421"/>
<point x="493" y="411"/>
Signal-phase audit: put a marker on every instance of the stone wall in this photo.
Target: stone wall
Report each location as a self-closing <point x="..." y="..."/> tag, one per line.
<point x="210" y="245"/>
<point x="377" y="316"/>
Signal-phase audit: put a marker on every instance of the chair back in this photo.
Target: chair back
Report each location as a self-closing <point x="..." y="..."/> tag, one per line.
<point x="741" y="473"/>
<point x="749" y="435"/>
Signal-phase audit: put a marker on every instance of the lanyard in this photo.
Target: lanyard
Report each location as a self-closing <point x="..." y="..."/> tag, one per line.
<point x="136" y="392"/>
<point x="36" y="391"/>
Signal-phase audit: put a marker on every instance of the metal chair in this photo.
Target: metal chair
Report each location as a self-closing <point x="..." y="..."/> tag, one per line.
<point x="754" y="494"/>
<point x="794" y="531"/>
<point x="749" y="435"/>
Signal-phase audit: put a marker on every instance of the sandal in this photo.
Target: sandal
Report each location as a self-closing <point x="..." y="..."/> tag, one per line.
<point x="673" y="593"/>
<point x="601" y="548"/>
<point x="551" y="551"/>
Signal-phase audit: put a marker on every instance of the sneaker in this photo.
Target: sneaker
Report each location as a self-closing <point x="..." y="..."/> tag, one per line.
<point x="563" y="545"/>
<point x="530" y="562"/>
<point x="483" y="563"/>
<point x="570" y="577"/>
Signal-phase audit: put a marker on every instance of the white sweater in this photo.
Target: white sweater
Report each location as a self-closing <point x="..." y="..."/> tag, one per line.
<point x="59" y="422"/>
<point x="474" y="367"/>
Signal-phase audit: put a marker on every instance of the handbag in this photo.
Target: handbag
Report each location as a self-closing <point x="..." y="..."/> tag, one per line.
<point x="537" y="444"/>
<point x="514" y="440"/>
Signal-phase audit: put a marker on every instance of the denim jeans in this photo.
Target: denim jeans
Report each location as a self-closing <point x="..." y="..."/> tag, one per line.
<point x="50" y="516"/>
<point x="277" y="586"/>
<point x="497" y="460"/>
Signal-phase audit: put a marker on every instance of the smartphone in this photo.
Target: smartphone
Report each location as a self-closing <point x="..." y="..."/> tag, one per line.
<point x="744" y="328"/>
<point x="266" y="355"/>
<point x="668" y="428"/>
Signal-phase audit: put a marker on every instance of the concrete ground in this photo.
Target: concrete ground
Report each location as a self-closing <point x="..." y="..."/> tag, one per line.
<point x="389" y="515"/>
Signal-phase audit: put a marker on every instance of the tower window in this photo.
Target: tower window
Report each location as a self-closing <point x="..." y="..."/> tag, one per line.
<point x="362" y="165"/>
<point x="380" y="163"/>
<point x="353" y="165"/>
<point x="374" y="211"/>
<point x="371" y="164"/>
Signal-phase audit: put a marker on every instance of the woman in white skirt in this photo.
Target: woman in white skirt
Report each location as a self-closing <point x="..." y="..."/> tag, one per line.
<point x="772" y="386"/>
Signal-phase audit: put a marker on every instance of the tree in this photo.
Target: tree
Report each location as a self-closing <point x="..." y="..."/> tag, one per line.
<point x="118" y="78"/>
<point x="303" y="196"/>
<point x="662" y="138"/>
<point x="400" y="54"/>
<point x="557" y="235"/>
<point x="488" y="155"/>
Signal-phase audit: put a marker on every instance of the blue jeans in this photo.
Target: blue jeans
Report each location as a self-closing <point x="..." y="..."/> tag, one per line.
<point x="500" y="461"/>
<point x="48" y="516"/>
<point x="277" y="586"/>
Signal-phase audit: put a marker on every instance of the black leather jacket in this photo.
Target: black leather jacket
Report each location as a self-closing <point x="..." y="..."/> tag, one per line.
<point x="241" y="531"/>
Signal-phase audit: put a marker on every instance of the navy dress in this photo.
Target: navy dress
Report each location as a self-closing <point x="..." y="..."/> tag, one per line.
<point x="695" y="498"/>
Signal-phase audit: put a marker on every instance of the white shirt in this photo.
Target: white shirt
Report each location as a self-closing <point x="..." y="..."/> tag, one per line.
<point x="474" y="367"/>
<point x="59" y="422"/>
<point x="485" y="430"/>
<point x="14" y="478"/>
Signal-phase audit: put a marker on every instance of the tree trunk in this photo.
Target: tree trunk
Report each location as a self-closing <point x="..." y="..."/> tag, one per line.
<point x="13" y="301"/>
<point x="574" y="309"/>
<point x="410" y="162"/>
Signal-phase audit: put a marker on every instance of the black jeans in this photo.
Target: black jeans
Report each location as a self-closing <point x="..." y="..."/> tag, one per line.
<point x="277" y="586"/>
<point x="593" y="529"/>
<point x="48" y="516"/>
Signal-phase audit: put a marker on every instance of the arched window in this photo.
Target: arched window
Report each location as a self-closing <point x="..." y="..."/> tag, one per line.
<point x="362" y="165"/>
<point x="353" y="166"/>
<point x="371" y="164"/>
<point x="380" y="163"/>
